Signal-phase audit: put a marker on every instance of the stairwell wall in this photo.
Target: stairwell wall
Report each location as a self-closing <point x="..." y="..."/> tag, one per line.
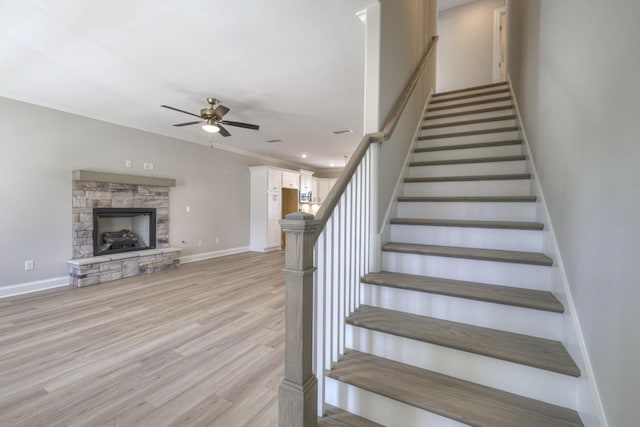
<point x="406" y="30"/>
<point x="574" y="66"/>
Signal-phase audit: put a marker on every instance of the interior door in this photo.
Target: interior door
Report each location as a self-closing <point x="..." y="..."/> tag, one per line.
<point x="499" y="44"/>
<point x="503" y="44"/>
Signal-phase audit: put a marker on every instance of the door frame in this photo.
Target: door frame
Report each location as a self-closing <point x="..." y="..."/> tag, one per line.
<point x="496" y="43"/>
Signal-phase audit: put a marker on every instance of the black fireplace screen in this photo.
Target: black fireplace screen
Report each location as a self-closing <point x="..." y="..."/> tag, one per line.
<point x="123" y="230"/>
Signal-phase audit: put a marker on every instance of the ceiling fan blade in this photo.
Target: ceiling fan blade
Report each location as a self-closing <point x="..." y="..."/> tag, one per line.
<point x="180" y="111"/>
<point x="220" y="111"/>
<point x="241" y="125"/>
<point x="188" y="123"/>
<point x="223" y="131"/>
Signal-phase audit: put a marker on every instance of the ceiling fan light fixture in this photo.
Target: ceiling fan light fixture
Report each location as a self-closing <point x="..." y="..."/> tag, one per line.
<point x="210" y="127"/>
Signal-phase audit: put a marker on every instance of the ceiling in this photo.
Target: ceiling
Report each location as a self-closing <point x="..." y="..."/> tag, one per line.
<point x="449" y="4"/>
<point x="294" y="67"/>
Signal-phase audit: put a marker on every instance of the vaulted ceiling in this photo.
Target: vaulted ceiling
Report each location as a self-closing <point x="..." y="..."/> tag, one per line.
<point x="295" y="67"/>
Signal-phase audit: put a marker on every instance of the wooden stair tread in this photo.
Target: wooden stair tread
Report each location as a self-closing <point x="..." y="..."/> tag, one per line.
<point x="470" y="122"/>
<point x="336" y="417"/>
<point x="450" y="397"/>
<point x="469" y="89"/>
<point x="496" y="159"/>
<point x="465" y="199"/>
<point x="469" y="104"/>
<point x="469" y="133"/>
<point x="505" y="295"/>
<point x="510" y="225"/>
<point x="468" y="146"/>
<point x="526" y="350"/>
<point x="503" y="177"/>
<point x="468" y="112"/>
<point x="480" y="254"/>
<point x="438" y="100"/>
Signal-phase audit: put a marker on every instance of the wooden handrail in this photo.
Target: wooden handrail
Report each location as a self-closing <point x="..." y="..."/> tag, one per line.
<point x="401" y="103"/>
<point x="332" y="199"/>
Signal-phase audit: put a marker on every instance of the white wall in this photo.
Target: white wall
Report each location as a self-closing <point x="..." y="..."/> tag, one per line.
<point x="40" y="148"/>
<point x="406" y="31"/>
<point x="465" y="54"/>
<point x="574" y="68"/>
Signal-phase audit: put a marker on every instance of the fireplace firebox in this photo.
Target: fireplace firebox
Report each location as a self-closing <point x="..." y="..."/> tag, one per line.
<point x="123" y="230"/>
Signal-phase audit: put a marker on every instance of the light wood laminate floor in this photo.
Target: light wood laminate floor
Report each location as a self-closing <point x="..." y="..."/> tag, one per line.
<point x="202" y="345"/>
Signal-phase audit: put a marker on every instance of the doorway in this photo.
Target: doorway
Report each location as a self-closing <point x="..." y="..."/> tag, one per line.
<point x="289" y="205"/>
<point x="499" y="44"/>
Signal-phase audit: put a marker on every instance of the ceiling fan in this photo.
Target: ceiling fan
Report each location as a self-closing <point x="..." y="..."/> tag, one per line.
<point x="212" y="119"/>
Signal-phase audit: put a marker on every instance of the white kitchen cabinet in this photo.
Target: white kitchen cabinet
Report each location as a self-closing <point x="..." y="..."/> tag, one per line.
<point x="324" y="186"/>
<point x="274" y="213"/>
<point x="274" y="179"/>
<point x="290" y="180"/>
<point x="314" y="190"/>
<point x="306" y="180"/>
<point x="265" y="208"/>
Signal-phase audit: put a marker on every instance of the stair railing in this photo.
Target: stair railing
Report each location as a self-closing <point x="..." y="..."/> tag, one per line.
<point x="324" y="260"/>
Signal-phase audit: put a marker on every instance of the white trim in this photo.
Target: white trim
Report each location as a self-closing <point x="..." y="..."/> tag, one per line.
<point x="566" y="297"/>
<point x="39" y="285"/>
<point x="371" y="116"/>
<point x="393" y="205"/>
<point x="215" y="254"/>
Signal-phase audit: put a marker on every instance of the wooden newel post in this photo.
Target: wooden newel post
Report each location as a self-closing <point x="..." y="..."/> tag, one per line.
<point x="297" y="403"/>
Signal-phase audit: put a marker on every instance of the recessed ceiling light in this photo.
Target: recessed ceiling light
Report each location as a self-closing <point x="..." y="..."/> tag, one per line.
<point x="331" y="164"/>
<point x="304" y="156"/>
<point x="271" y="141"/>
<point x="342" y="132"/>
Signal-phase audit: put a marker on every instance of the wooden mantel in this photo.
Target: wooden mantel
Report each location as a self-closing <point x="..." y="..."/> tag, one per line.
<point x="118" y="178"/>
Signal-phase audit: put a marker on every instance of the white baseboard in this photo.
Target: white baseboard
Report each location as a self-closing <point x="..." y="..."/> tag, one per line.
<point x="215" y="254"/>
<point x="28" y="287"/>
<point x="588" y="400"/>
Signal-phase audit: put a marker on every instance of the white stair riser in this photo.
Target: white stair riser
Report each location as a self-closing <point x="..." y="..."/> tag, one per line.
<point x="468" y="153"/>
<point x="469" y="237"/>
<point x="491" y="272"/>
<point x="472" y="91"/>
<point x="468" y="127"/>
<point x="467" y="169"/>
<point x="494" y="136"/>
<point x="527" y="381"/>
<point x="498" y="211"/>
<point x="381" y="409"/>
<point x="430" y="120"/>
<point x="506" y="187"/>
<point x="469" y="108"/>
<point x="478" y="96"/>
<point x="538" y="323"/>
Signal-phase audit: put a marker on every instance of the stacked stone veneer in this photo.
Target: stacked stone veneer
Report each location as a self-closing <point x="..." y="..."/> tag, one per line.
<point x="100" y="269"/>
<point x="88" y="195"/>
<point x="86" y="269"/>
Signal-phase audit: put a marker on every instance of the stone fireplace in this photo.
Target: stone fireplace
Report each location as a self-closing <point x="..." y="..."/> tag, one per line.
<point x="120" y="227"/>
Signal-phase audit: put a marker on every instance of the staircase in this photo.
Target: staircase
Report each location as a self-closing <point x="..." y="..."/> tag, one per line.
<point x="460" y="328"/>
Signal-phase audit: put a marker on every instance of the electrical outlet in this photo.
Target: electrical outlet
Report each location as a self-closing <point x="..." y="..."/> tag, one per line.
<point x="127" y="163"/>
<point x="187" y="209"/>
<point x="28" y="265"/>
<point x="146" y="166"/>
<point x="217" y="240"/>
<point x="150" y="166"/>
